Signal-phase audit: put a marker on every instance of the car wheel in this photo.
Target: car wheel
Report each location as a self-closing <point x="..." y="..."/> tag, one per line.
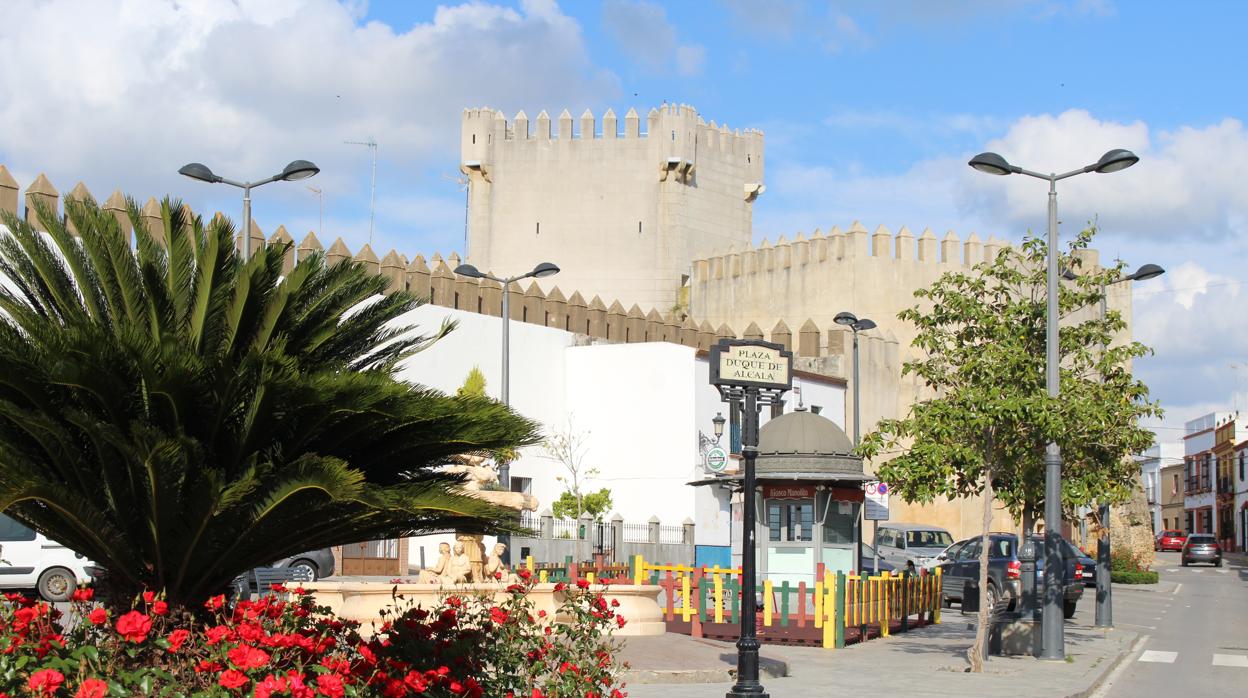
<point x="1217" y="563"/>
<point x="57" y="584"/>
<point x="1069" y="608"/>
<point x="304" y="569"/>
<point x="993" y="597"/>
<point x="1185" y="562"/>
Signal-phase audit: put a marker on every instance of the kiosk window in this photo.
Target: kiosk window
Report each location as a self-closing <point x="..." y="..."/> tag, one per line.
<point x="791" y="520"/>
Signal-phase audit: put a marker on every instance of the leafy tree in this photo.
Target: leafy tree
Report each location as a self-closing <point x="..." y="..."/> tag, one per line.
<point x="180" y="415"/>
<point x="984" y="430"/>
<point x="596" y="504"/>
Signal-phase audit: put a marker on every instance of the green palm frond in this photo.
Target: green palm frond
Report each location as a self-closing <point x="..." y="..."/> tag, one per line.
<point x="179" y="415"/>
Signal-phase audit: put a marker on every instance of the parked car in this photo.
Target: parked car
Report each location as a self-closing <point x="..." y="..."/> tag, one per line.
<point x="939" y="558"/>
<point x="312" y="565"/>
<point x="916" y="542"/>
<point x="868" y="562"/>
<point x="1169" y="540"/>
<point x="1086" y="562"/>
<point x="1202" y="547"/>
<point x="1004" y="571"/>
<point x="32" y="561"/>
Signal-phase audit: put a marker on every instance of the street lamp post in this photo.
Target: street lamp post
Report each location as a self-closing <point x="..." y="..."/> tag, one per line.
<point x="295" y="171"/>
<point x="1052" y="632"/>
<point x="857" y="324"/>
<point x="1104" y="589"/>
<point x="539" y="272"/>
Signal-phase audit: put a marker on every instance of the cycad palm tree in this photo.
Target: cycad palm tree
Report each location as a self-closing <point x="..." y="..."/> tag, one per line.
<point x="179" y="415"/>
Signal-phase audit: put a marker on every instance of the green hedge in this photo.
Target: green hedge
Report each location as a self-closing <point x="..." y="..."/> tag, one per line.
<point x="1129" y="577"/>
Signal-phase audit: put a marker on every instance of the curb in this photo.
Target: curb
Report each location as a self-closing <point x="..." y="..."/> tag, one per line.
<point x="1109" y="669"/>
<point x="767" y="668"/>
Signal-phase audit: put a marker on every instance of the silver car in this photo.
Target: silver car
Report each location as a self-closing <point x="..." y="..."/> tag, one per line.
<point x="920" y="543"/>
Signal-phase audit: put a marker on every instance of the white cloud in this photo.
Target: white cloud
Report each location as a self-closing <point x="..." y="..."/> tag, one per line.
<point x="643" y="30"/>
<point x="121" y="95"/>
<point x="1188" y="181"/>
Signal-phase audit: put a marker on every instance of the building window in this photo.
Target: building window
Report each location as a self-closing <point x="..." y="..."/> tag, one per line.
<point x="1241" y="466"/>
<point x="838" y="522"/>
<point x="816" y="409"/>
<point x="522" y="484"/>
<point x="777" y="408"/>
<point x="734" y="428"/>
<point x="791" y="521"/>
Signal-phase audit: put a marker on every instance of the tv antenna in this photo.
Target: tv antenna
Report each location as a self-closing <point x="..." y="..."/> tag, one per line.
<point x="464" y="183"/>
<point x="320" y="198"/>
<point x="372" y="195"/>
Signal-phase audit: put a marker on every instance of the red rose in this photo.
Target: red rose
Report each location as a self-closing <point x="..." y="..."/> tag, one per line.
<point x="560" y="586"/>
<point x="98" y="616"/>
<point x="177" y="638"/>
<point x="215" y="603"/>
<point x="583" y="584"/>
<point x="149" y="596"/>
<point x="329" y="685"/>
<point x="619" y="620"/>
<point x="524" y="574"/>
<point x="83" y="594"/>
<point x="134" y="626"/>
<point x="498" y="615"/>
<point x="232" y="679"/>
<point x="246" y="657"/>
<point x="160" y="608"/>
<point x="92" y="688"/>
<point x="46" y="682"/>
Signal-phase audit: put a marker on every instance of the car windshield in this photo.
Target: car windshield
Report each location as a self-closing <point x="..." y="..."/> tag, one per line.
<point x="1172" y="534"/>
<point x="928" y="539"/>
<point x="1194" y="538"/>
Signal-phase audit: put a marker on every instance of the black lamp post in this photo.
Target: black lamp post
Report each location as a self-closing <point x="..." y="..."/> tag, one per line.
<point x="1104" y="589"/>
<point x="293" y="172"/>
<point x="540" y="271"/>
<point x="718" y="421"/>
<point x="1052" y="631"/>
<point x="857" y="324"/>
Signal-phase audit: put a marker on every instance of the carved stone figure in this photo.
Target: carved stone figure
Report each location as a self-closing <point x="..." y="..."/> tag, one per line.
<point x="433" y="575"/>
<point x="494" y="566"/>
<point x="459" y="567"/>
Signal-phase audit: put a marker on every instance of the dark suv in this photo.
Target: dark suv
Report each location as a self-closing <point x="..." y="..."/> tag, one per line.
<point x="1004" y="570"/>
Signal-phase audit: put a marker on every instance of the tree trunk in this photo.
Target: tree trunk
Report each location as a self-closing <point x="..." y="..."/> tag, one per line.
<point x="985" y="607"/>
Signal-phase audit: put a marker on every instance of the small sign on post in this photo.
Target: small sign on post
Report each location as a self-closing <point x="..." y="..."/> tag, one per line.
<point x="716" y="459"/>
<point x="877" y="501"/>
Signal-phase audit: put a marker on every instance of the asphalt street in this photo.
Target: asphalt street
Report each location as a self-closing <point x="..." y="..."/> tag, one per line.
<point x="1194" y="638"/>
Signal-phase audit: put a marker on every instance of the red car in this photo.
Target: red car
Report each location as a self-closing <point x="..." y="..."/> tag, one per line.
<point x="1170" y="540"/>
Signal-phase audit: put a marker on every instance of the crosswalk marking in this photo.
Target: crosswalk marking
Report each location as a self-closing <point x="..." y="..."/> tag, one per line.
<point x="1158" y="656"/>
<point x="1222" y="571"/>
<point x="1236" y="660"/>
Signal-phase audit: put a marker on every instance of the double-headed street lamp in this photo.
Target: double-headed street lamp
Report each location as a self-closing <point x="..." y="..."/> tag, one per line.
<point x="857" y="324"/>
<point x="296" y="170"/>
<point x="540" y="271"/>
<point x="1104" y="589"/>
<point x="1052" y="632"/>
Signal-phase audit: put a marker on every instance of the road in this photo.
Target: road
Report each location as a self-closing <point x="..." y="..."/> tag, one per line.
<point x="1194" y="636"/>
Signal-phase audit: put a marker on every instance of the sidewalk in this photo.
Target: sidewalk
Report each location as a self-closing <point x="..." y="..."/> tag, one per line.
<point x="926" y="662"/>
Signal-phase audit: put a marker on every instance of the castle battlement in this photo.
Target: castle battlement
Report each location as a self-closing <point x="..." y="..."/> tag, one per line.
<point x="838" y="248"/>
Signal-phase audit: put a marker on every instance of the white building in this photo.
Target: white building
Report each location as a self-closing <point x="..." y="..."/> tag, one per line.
<point x="1159" y="456"/>
<point x="645" y="411"/>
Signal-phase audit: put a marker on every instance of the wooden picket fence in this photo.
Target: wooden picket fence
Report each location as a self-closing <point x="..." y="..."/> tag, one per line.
<point x="836" y="609"/>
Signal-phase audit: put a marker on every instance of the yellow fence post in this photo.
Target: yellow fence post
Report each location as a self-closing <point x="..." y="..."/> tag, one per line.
<point x="938" y="601"/>
<point x="818" y="603"/>
<point x="589" y="577"/>
<point x="639" y="570"/>
<point x="686" y="611"/>
<point x="885" y="597"/>
<point x="829" y="610"/>
<point x="767" y="603"/>
<point x="719" y="595"/>
<point x="528" y="562"/>
<point x="543" y="576"/>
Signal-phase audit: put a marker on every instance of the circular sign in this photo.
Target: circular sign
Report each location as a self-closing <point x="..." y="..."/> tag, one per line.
<point x="871" y="487"/>
<point x="882" y="488"/>
<point x="716" y="459"/>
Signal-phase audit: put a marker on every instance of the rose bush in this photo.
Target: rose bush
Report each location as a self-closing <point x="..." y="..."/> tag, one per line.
<point x="286" y="645"/>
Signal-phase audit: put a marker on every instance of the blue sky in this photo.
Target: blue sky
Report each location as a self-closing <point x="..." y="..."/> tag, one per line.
<point x="870" y="111"/>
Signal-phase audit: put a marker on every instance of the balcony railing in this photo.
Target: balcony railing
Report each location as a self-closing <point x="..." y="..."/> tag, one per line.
<point x="1226" y="485"/>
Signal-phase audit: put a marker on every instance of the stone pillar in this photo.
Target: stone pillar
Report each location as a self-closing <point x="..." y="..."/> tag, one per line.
<point x="617" y="535"/>
<point x="546" y="527"/>
<point x="687" y="536"/>
<point x="654" y="529"/>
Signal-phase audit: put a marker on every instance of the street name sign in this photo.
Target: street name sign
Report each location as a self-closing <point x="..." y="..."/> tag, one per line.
<point x="749" y="363"/>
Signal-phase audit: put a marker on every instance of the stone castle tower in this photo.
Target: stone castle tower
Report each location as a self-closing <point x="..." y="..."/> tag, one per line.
<point x="623" y="213"/>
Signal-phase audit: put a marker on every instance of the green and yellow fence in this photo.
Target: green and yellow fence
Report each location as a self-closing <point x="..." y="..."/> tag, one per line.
<point x="837" y="608"/>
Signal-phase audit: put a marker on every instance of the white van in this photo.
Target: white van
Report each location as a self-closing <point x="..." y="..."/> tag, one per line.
<point x="30" y="561"/>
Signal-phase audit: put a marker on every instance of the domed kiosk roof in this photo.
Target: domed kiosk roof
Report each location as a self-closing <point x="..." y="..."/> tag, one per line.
<point x="804" y="445"/>
<point x="801" y="445"/>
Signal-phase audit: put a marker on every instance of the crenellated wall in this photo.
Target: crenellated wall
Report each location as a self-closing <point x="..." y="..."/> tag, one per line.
<point x="872" y="274"/>
<point x="622" y="208"/>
